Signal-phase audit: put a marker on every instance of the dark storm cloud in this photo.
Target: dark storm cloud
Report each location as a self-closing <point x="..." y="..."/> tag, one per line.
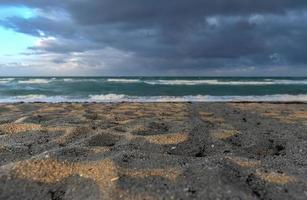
<point x="98" y="11"/>
<point x="175" y="34"/>
<point x="160" y="10"/>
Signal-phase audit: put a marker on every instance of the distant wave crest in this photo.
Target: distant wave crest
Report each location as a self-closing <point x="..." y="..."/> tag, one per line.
<point x="218" y="82"/>
<point x="210" y="82"/>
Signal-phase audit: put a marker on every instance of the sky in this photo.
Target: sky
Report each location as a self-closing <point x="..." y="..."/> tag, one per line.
<point x="153" y="38"/>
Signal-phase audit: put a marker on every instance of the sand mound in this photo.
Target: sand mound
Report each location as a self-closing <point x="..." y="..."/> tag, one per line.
<point x="12" y="128"/>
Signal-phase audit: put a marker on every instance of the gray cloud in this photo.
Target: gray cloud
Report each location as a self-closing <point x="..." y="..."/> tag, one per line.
<point x="172" y="35"/>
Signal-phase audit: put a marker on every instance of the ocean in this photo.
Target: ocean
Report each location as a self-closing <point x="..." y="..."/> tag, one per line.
<point x="151" y="89"/>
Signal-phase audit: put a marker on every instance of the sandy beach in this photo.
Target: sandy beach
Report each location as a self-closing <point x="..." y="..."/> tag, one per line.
<point x="153" y="151"/>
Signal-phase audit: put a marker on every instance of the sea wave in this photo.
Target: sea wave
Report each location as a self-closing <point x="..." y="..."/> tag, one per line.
<point x="6" y="80"/>
<point x="73" y="80"/>
<point x="127" y="98"/>
<point x="175" y="82"/>
<point x="220" y="82"/>
<point x="119" y="80"/>
<point x="68" y="80"/>
<point x="36" y="81"/>
<point x="180" y="82"/>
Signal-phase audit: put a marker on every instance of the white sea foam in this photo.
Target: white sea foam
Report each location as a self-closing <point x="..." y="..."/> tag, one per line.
<point x="37" y="98"/>
<point x="108" y="97"/>
<point x="120" y="80"/>
<point x="36" y="81"/>
<point x="197" y="98"/>
<point x="126" y="98"/>
<point x="31" y="97"/>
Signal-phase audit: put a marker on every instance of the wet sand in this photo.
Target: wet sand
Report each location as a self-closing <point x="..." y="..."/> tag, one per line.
<point x="153" y="151"/>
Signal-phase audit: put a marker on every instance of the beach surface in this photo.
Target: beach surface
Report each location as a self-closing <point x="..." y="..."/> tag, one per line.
<point x="153" y="151"/>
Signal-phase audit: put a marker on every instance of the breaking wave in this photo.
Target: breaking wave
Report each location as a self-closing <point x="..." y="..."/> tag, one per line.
<point x="36" y="81"/>
<point x="118" y="80"/>
<point x="6" y="80"/>
<point x="73" y="80"/>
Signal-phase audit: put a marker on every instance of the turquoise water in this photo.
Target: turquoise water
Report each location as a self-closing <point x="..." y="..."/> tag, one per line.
<point x="152" y="89"/>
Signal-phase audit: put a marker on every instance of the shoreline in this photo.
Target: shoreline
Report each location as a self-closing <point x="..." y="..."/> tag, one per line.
<point x="159" y="102"/>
